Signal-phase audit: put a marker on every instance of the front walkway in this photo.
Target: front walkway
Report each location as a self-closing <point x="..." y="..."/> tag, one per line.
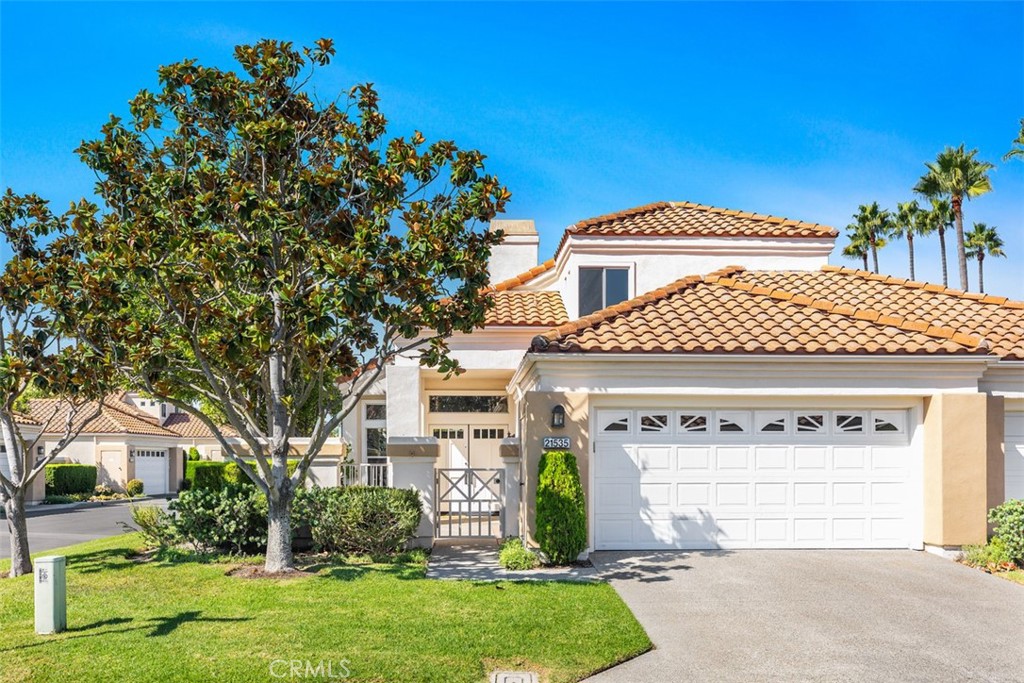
<point x="477" y="560"/>
<point x="816" y="615"/>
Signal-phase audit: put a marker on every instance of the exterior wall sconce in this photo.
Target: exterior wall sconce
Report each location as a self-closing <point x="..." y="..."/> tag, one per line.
<point x="558" y="417"/>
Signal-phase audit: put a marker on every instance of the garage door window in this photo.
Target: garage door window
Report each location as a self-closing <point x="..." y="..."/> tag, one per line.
<point x="772" y="422"/>
<point x="615" y="422"/>
<point x="654" y="423"/>
<point x="693" y="423"/>
<point x="733" y="422"/>
<point x="889" y="422"/>
<point x="849" y="423"/>
<point x="810" y="423"/>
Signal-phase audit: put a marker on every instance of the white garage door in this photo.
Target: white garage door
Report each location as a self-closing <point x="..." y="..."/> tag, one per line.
<point x="751" y="479"/>
<point x="1013" y="448"/>
<point x="151" y="468"/>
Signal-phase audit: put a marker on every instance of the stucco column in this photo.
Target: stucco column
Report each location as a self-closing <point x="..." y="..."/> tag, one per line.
<point x="412" y="461"/>
<point x="963" y="467"/>
<point x="511" y="460"/>
<point x="403" y="402"/>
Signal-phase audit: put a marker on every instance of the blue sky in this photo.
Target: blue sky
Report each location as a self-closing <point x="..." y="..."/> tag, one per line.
<point x="801" y="110"/>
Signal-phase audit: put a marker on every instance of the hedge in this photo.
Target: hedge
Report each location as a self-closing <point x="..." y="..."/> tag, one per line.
<point x="216" y="474"/>
<point x="561" y="509"/>
<point x="67" y="479"/>
<point x="204" y="474"/>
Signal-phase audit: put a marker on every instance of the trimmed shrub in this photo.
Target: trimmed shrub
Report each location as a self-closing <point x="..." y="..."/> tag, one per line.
<point x="66" y="479"/>
<point x="360" y="520"/>
<point x="1008" y="524"/>
<point x="516" y="557"/>
<point x="232" y="519"/>
<point x="193" y="455"/>
<point x="134" y="487"/>
<point x="561" y="509"/>
<point x="103" y="491"/>
<point x="205" y="474"/>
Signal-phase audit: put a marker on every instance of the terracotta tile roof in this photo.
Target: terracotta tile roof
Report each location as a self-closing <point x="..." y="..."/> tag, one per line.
<point x="523" y="278"/>
<point x="719" y="314"/>
<point x="190" y="427"/>
<point x="996" y="319"/>
<point x="687" y="219"/>
<point x="526" y="308"/>
<point x="116" y="417"/>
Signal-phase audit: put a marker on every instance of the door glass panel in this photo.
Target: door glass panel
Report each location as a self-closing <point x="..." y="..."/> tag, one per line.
<point x="376" y="445"/>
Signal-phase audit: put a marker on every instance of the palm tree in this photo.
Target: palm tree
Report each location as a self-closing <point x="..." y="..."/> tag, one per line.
<point x="982" y="241"/>
<point x="859" y="245"/>
<point x="957" y="174"/>
<point x="910" y="221"/>
<point x="1018" y="145"/>
<point x="940" y="219"/>
<point x="872" y="225"/>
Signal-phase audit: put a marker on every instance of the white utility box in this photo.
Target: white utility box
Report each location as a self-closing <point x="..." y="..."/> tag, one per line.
<point x="51" y="594"/>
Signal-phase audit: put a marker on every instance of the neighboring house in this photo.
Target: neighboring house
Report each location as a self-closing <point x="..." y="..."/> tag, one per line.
<point x="135" y="437"/>
<point x="724" y="387"/>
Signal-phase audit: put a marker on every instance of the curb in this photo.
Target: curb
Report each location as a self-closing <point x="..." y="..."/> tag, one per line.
<point x="43" y="509"/>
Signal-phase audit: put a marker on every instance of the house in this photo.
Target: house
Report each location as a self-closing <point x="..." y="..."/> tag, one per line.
<point x="136" y="437"/>
<point x="722" y="386"/>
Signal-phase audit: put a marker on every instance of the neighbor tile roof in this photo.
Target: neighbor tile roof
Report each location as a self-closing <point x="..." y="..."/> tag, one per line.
<point x="687" y="219"/>
<point x="116" y="417"/>
<point x="720" y="314"/>
<point x="997" y="320"/>
<point x="190" y="427"/>
<point x="526" y="308"/>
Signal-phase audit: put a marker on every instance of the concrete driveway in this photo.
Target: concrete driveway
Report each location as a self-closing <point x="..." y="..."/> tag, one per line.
<point x="805" y="615"/>
<point x="49" y="528"/>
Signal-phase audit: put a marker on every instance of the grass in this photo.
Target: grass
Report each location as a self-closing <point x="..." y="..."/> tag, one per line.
<point x="1017" y="576"/>
<point x="187" y="621"/>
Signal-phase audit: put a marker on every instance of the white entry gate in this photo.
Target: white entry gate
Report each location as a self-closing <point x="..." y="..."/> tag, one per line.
<point x="468" y="503"/>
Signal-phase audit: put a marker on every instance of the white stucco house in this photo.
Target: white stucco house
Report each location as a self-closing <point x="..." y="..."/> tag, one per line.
<point x="722" y="386"/>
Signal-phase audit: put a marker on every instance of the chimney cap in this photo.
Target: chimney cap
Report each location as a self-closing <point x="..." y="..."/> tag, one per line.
<point x="514" y="227"/>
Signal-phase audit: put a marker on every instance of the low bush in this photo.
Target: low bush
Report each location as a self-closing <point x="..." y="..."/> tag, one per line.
<point x="134" y="487"/>
<point x="65" y="499"/>
<point x="205" y="474"/>
<point x="1008" y="524"/>
<point x="360" y="520"/>
<point x="67" y="479"/>
<point x="561" y="509"/>
<point x="233" y="474"/>
<point x="992" y="557"/>
<point x="231" y="519"/>
<point x="193" y="455"/>
<point x="514" y="556"/>
<point x="103" y="491"/>
<point x="156" y="526"/>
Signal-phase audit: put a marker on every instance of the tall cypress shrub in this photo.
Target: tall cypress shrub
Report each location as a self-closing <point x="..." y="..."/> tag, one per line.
<point x="561" y="509"/>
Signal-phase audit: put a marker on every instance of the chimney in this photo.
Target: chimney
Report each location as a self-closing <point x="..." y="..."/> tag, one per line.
<point x="517" y="252"/>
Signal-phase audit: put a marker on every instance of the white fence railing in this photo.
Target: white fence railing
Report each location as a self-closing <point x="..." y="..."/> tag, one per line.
<point x="376" y="474"/>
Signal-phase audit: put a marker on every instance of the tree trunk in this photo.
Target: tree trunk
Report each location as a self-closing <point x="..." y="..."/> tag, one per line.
<point x="865" y="255"/>
<point x="279" y="533"/>
<point x="942" y="254"/>
<point x="910" y="247"/>
<point x="17" y="526"/>
<point x="961" y="251"/>
<point x="874" y="256"/>
<point x="981" y="272"/>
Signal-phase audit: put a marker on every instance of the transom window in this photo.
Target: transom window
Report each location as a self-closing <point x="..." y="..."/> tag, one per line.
<point x="602" y="287"/>
<point x="449" y="433"/>
<point x="488" y="433"/>
<point x="446" y="403"/>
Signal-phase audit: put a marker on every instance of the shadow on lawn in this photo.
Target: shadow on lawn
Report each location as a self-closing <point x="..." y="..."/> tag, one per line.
<point x="157" y="627"/>
<point x="354" y="572"/>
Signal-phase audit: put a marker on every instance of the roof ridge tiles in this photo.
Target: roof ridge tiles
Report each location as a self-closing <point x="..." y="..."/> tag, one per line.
<point x="925" y="286"/>
<point x="522" y="278"/>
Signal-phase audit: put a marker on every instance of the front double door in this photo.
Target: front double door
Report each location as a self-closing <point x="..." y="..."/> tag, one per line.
<point x="469" y="446"/>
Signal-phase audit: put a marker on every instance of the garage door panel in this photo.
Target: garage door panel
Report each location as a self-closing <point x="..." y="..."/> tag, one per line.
<point x="771" y="486"/>
<point x="693" y="458"/>
<point x="1013" y="450"/>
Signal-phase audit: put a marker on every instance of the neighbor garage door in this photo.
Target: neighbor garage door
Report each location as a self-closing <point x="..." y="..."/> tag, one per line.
<point x="1013" y="446"/>
<point x="751" y="479"/>
<point x="151" y="468"/>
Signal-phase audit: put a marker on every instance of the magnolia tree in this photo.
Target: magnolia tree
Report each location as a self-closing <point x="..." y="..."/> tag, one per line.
<point x="32" y="288"/>
<point x="254" y="247"/>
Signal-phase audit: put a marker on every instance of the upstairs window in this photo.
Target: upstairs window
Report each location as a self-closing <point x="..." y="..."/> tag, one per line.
<point x="602" y="287"/>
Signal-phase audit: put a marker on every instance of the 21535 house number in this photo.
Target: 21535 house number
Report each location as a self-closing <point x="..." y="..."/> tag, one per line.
<point x="556" y="443"/>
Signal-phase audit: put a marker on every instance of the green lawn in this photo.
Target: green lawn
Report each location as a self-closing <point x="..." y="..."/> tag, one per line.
<point x="1017" y="576"/>
<point x="189" y="622"/>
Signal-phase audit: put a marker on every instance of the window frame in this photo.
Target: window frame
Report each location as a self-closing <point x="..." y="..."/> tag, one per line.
<point x="628" y="268"/>
<point x="373" y="424"/>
